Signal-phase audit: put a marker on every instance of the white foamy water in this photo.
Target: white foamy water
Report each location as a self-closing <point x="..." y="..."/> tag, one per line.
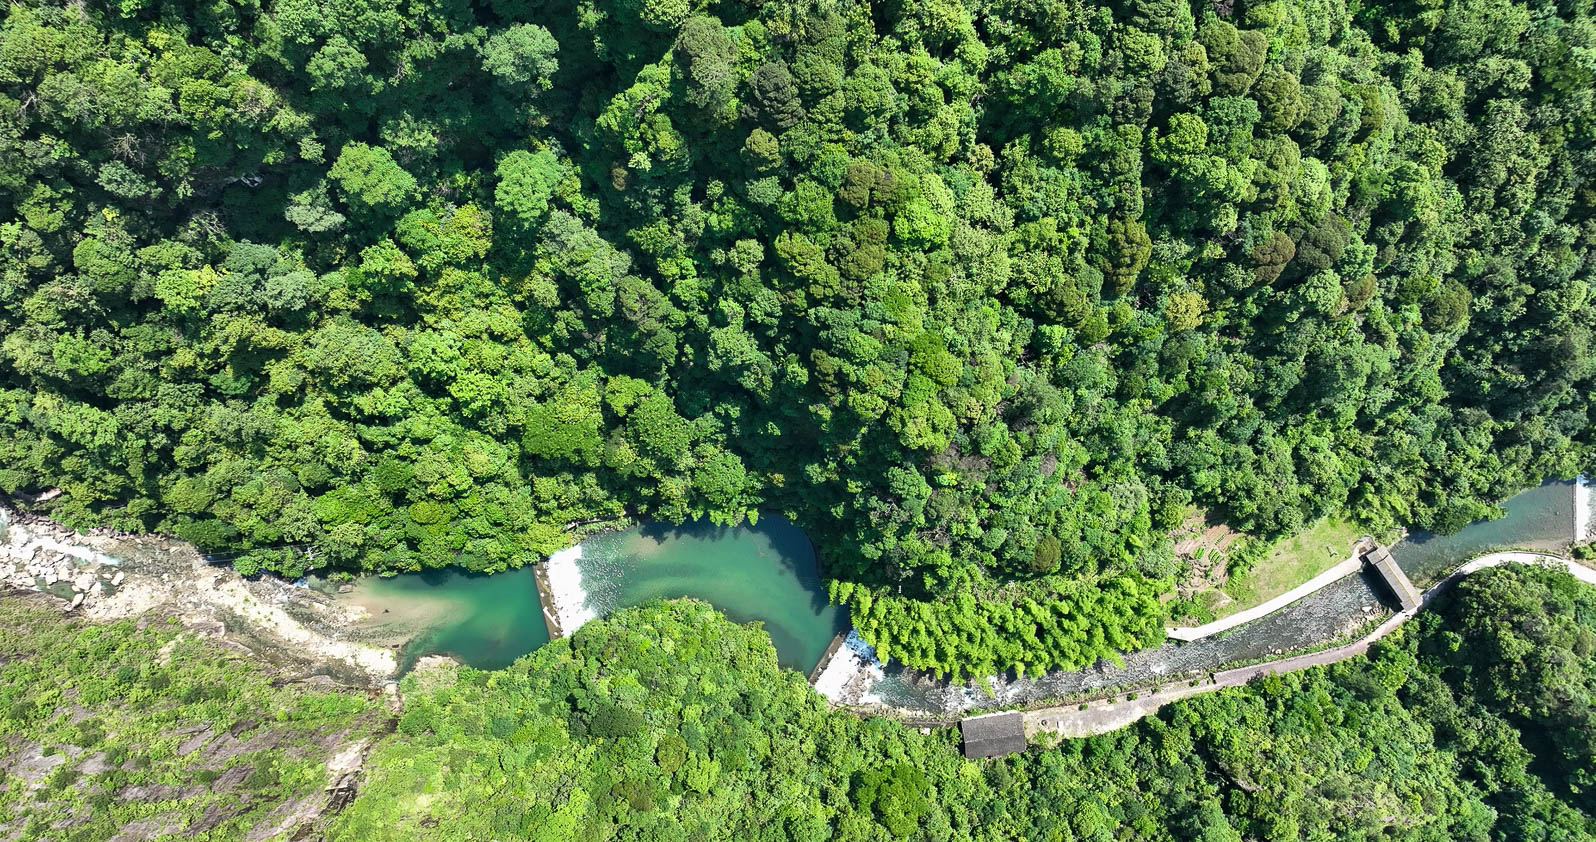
<point x="21" y="543"/>
<point x="565" y="586"/>
<point x="852" y="672"/>
<point x="1582" y="509"/>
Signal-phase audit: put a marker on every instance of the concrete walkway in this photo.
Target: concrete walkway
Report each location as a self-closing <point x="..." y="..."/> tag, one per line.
<point x="1334" y="574"/>
<point x="1577" y="570"/>
<point x="1103" y="716"/>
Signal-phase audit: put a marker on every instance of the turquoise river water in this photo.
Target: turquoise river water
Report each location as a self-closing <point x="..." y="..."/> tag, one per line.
<point x="486" y="621"/>
<point x="768" y="572"/>
<point x="765" y="572"/>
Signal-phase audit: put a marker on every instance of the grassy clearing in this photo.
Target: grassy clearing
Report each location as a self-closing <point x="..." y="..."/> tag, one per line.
<point x="1290" y="563"/>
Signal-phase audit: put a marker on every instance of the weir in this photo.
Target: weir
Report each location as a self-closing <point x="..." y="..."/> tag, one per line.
<point x="1582" y="519"/>
<point x="1380" y="559"/>
<point x="825" y="657"/>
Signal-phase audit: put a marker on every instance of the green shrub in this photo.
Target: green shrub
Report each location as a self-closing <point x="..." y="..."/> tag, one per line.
<point x="614" y="721"/>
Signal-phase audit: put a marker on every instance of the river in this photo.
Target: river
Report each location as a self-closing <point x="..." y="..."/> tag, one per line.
<point x="1540" y="518"/>
<point x="765" y="572"/>
<point x="768" y="572"/>
<point x="486" y="621"/>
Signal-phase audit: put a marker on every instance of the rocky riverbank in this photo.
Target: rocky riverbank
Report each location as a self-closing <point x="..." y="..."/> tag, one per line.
<point x="107" y="576"/>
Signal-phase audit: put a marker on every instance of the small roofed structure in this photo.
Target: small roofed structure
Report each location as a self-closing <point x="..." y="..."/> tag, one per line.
<point x="993" y="735"/>
<point x="1382" y="562"/>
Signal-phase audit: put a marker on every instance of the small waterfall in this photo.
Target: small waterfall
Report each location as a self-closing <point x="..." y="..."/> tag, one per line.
<point x="22" y="542"/>
<point x="851" y="674"/>
<point x="1582" y="501"/>
<point x="565" y="588"/>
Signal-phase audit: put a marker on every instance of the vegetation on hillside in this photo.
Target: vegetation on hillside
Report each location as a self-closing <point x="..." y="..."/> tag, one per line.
<point x="984" y="295"/>
<point x="666" y="722"/>
<point x="139" y="731"/>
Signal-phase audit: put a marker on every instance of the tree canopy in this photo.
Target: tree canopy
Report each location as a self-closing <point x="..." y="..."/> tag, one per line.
<point x="667" y="722"/>
<point x="983" y="296"/>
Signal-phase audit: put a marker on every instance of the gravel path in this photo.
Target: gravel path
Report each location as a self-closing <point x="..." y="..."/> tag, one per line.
<point x="1103" y="716"/>
<point x="1334" y="574"/>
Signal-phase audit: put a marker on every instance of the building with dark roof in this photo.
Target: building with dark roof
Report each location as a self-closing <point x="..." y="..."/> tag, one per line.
<point x="993" y="735"/>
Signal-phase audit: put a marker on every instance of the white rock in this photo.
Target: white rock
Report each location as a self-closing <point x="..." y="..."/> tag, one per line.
<point x="50" y="578"/>
<point x="117" y="579"/>
<point x="83" y="582"/>
<point x="77" y="600"/>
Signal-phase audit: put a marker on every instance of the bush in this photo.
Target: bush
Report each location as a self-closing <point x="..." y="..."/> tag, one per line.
<point x="88" y="734"/>
<point x="264" y="775"/>
<point x="64" y="776"/>
<point x="613" y="721"/>
<point x="671" y="753"/>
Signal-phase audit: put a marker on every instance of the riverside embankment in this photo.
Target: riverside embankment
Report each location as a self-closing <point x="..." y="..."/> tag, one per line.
<point x="1100" y="716"/>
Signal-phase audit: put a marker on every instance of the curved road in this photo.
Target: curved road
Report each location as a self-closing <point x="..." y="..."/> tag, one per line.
<point x="1102" y="717"/>
<point x="1328" y="577"/>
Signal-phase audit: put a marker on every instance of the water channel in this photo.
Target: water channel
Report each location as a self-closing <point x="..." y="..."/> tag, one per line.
<point x="1541" y="518"/>
<point x="765" y="572"/>
<point x="768" y="572"/>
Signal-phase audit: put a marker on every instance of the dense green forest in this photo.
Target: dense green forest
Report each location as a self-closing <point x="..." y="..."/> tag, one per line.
<point x="139" y="732"/>
<point x="666" y="722"/>
<point x="983" y="295"/>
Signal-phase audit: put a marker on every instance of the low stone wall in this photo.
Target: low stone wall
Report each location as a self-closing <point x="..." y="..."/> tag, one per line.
<point x="1103" y="715"/>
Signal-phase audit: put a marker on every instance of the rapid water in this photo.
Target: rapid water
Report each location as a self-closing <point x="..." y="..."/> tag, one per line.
<point x="1339" y="609"/>
<point x="1541" y="518"/>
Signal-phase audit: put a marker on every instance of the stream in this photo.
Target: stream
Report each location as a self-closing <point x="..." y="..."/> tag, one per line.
<point x="768" y="572"/>
<point x="765" y="571"/>
<point x="1540" y="518"/>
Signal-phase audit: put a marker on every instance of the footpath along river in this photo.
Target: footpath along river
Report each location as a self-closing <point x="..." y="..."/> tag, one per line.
<point x="768" y="572"/>
<point x="1541" y="519"/>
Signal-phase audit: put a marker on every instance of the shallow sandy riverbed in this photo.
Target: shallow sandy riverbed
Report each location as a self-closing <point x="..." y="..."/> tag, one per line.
<point x="129" y="576"/>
